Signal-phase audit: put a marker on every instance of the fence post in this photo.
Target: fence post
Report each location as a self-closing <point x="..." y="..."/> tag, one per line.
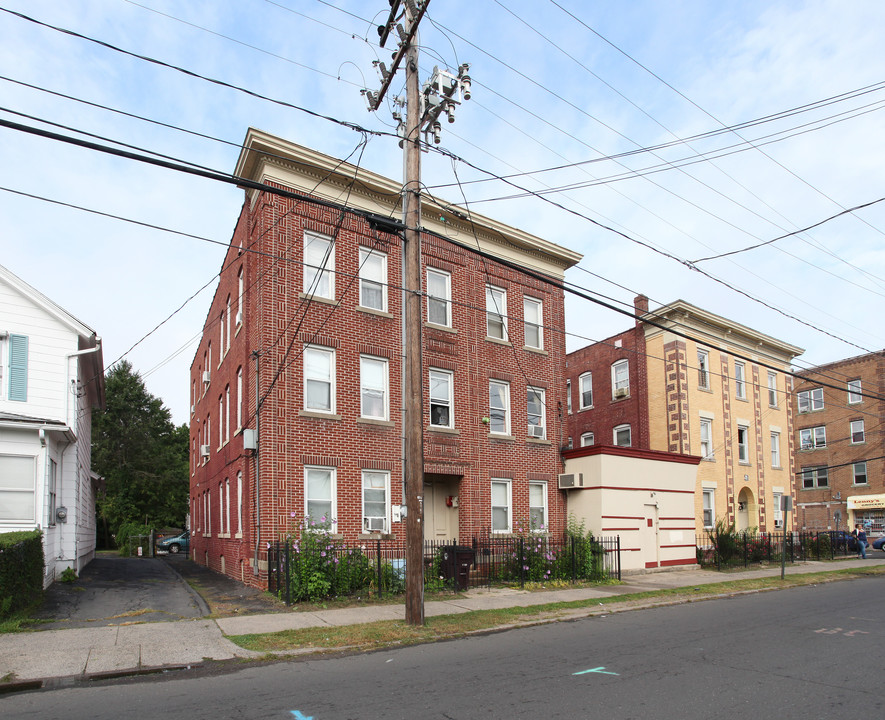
<point x="521" y="545"/>
<point x="378" y="565"/>
<point x="288" y="557"/>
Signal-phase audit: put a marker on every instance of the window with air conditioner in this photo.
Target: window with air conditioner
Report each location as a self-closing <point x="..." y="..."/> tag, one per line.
<point x="536" y="407"/>
<point x="376" y="500"/>
<point x="621" y="379"/>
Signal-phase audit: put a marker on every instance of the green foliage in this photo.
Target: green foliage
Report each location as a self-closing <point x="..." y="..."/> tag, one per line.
<point x="21" y="571"/>
<point x="725" y="540"/>
<point x="141" y="454"/>
<point x="69" y="575"/>
<point x="130" y="530"/>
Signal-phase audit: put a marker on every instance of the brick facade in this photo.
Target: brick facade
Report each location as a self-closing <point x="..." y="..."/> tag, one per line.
<point x="835" y="500"/>
<point x="260" y="356"/>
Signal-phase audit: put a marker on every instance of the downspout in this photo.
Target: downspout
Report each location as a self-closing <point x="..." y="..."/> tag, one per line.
<point x="255" y="570"/>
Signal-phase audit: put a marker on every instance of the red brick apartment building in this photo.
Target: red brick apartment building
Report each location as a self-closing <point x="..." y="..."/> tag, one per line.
<point x="840" y="444"/>
<point x="297" y="386"/>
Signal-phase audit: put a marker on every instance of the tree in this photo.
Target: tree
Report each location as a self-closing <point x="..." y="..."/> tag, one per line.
<point x="141" y="454"/>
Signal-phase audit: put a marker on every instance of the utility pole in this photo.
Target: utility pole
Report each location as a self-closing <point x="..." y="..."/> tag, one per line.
<point x="441" y="94"/>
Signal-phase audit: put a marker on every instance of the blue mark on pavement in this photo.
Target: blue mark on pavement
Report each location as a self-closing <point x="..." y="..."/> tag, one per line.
<point x="298" y="716"/>
<point x="600" y="670"/>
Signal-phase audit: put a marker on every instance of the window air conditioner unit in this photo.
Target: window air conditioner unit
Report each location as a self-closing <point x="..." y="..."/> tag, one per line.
<point x="375" y="524"/>
<point x="571" y="480"/>
<point x="536" y="431"/>
<point x="239" y="317"/>
<point x="621" y="392"/>
<point x="206" y="376"/>
<point x="204" y="450"/>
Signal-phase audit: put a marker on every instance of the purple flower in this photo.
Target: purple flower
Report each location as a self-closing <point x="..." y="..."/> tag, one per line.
<point x="323" y="553"/>
<point x="292" y="514"/>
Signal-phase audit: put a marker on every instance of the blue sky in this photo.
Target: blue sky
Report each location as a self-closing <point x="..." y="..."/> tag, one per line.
<point x="555" y="84"/>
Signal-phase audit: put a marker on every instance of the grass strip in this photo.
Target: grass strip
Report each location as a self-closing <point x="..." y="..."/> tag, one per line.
<point x="395" y="632"/>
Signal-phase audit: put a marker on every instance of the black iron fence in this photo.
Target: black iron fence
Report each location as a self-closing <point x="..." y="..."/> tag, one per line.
<point x="742" y="549"/>
<point x="319" y="566"/>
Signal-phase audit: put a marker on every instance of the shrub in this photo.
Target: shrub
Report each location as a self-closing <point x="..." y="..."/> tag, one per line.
<point x="21" y="571"/>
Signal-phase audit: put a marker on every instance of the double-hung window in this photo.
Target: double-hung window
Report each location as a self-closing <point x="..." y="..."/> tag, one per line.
<point x="622" y="435"/>
<point x="855" y="394"/>
<point x="857" y="432"/>
<point x="319" y="495"/>
<point x="376" y="494"/>
<point x="813" y="438"/>
<point x="587" y="439"/>
<point x="859" y="471"/>
<point x="815" y="477"/>
<point x="501" y="505"/>
<point x="621" y="379"/>
<point x="319" y="266"/>
<point x="585" y="388"/>
<point x="704" y="369"/>
<point x="775" y="449"/>
<point x="499" y="407"/>
<point x="496" y="312"/>
<point x="743" y="436"/>
<point x="536" y="406"/>
<point x="740" y="380"/>
<point x="706" y="438"/>
<point x="441" y="402"/>
<point x="373" y="279"/>
<point x="319" y="379"/>
<point x="709" y="507"/>
<point x="772" y="389"/>
<point x="809" y="400"/>
<point x="538" y="506"/>
<point x="533" y="313"/>
<point x="373" y="388"/>
<point x="52" y="504"/>
<point x="439" y="297"/>
<point x="568" y="396"/>
<point x="778" y="512"/>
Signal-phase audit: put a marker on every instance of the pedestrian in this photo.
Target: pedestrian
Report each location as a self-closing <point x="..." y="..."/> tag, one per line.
<point x="861" y="537"/>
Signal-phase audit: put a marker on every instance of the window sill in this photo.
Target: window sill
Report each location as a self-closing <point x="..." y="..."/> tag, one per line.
<point x="373" y="311"/>
<point x="318" y="415"/>
<point x="861" y="485"/>
<point x="444" y="430"/>
<point x="587" y="407"/>
<point x="536" y="350"/>
<point x="537" y="441"/>
<point x="239" y="536"/>
<point x="501" y="437"/>
<point x="705" y="389"/>
<point x="376" y="536"/>
<point x="375" y="421"/>
<point x="708" y="459"/>
<point x="318" y="298"/>
<point x="621" y="398"/>
<point x="441" y="328"/>
<point x="498" y="341"/>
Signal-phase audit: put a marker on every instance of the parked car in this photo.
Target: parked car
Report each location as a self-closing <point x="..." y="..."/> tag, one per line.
<point x="175" y="544"/>
<point x="879" y="543"/>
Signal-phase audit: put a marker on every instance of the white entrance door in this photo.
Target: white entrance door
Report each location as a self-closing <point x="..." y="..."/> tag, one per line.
<point x="440" y="513"/>
<point x="648" y="537"/>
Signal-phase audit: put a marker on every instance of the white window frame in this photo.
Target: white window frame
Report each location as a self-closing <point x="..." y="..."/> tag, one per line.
<point x="538" y="506"/>
<point x="810" y="400"/>
<point x="220" y="421"/>
<point x="855" y="393"/>
<point x="309" y="497"/>
<point x="496" y="313"/>
<point x="856" y="474"/>
<point x="743" y="444"/>
<point x="239" y="503"/>
<point x="777" y="512"/>
<point x="704" y="369"/>
<point x="858" y="436"/>
<point x="240" y="286"/>
<point x="221" y="508"/>
<point x="227" y="506"/>
<point x="708" y="517"/>
<point x="815" y="477"/>
<point x="226" y="413"/>
<point x="52" y="493"/>
<point x="585" y="385"/>
<point x="445" y="380"/>
<point x="370" y="522"/>
<point x="588" y="439"/>
<point x="538" y="430"/>
<point x="568" y="396"/>
<point x="772" y="389"/>
<point x="239" y="398"/>
<point x="620" y="379"/>
<point x="775" y="449"/>
<point x="437" y="302"/>
<point x="533" y="316"/>
<point x="740" y="380"/>
<point x="505" y="396"/>
<point x="379" y="387"/>
<point x="707" y="438"/>
<point x="503" y="485"/>
<point x="620" y="429"/>
<point x="319" y="265"/>
<point x="227" y="325"/>
<point x="311" y="376"/>
<point x="373" y="277"/>
<point x="813" y="438"/>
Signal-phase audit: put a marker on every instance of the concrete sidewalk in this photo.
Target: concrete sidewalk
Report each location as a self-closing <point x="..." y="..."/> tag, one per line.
<point x="27" y="659"/>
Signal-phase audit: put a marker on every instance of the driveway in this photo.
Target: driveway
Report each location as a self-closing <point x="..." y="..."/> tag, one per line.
<point x="114" y="590"/>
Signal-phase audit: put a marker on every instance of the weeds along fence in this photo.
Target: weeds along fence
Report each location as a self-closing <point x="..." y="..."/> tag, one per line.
<point x="318" y="566"/>
<point x="742" y="549"/>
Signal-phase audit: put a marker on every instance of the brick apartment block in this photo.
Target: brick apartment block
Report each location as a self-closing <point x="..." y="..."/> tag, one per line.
<point x="840" y="443"/>
<point x="302" y="348"/>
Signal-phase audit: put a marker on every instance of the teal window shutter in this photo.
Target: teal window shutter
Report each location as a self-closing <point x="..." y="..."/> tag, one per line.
<point x="18" y="367"/>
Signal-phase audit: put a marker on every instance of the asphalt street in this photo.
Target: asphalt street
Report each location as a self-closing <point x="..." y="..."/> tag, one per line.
<point x="795" y="654"/>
